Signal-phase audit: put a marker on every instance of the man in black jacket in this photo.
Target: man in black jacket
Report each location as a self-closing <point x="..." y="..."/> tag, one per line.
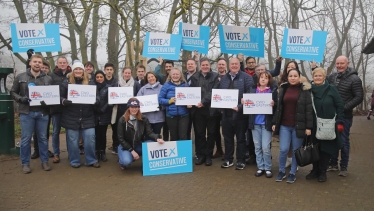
<point x="140" y="73"/>
<point x="32" y="118"/>
<point x="350" y="89"/>
<point x="204" y="117"/>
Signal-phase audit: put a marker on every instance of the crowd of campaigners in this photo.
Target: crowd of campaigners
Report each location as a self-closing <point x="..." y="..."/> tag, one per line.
<point x="293" y="116"/>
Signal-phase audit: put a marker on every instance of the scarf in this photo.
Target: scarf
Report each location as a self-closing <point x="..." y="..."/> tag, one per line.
<point x="266" y="90"/>
<point x="123" y="83"/>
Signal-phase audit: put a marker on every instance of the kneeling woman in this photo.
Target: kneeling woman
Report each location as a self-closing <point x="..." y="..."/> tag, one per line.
<point x="132" y="128"/>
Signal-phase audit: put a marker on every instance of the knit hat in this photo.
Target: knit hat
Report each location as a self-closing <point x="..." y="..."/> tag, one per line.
<point x="77" y="64"/>
<point x="133" y="102"/>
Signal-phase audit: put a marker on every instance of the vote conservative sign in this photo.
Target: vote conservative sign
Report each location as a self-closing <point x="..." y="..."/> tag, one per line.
<point x="303" y="44"/>
<point x="167" y="46"/>
<point x="170" y="157"/>
<point x="42" y="37"/>
<point x="246" y="40"/>
<point x="194" y="37"/>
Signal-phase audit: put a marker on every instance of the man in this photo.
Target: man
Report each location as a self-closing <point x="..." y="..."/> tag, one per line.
<point x="234" y="123"/>
<point x="203" y="116"/>
<point x="140" y="73"/>
<point x="58" y="76"/>
<point x="113" y="82"/>
<point x="32" y="118"/>
<point x="350" y="89"/>
<point x="89" y="68"/>
<point x="191" y="70"/>
<point x="45" y="67"/>
<point x="221" y="67"/>
<point x="168" y="65"/>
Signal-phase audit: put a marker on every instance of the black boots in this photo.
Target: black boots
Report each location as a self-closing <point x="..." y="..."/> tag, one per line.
<point x="322" y="177"/>
<point x="313" y="174"/>
<point x="103" y="156"/>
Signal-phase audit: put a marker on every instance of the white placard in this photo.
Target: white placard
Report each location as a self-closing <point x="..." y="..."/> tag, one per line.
<point x="82" y="94"/>
<point x="148" y="103"/>
<point x="257" y="103"/>
<point x="187" y="95"/>
<point x="49" y="94"/>
<point x="224" y="98"/>
<point x="120" y="95"/>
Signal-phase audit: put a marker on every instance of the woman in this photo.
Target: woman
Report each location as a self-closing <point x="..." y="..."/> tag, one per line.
<point x="292" y="120"/>
<point x="78" y="118"/>
<point x="153" y="86"/>
<point x="118" y="110"/>
<point x="132" y="128"/>
<point x="261" y="124"/>
<point x="103" y="114"/>
<point x="327" y="103"/>
<point x="177" y="117"/>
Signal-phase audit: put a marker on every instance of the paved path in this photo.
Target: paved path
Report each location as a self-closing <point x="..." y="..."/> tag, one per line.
<point x="207" y="188"/>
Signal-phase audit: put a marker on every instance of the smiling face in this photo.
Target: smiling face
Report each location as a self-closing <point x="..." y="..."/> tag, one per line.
<point x="126" y="74"/>
<point x="205" y="67"/>
<point x="100" y="78"/>
<point x="89" y="69"/>
<point x="151" y="79"/>
<point x="175" y="75"/>
<point x="234" y="65"/>
<point x="191" y="66"/>
<point x="78" y="72"/>
<point x="319" y="76"/>
<point x="45" y="68"/>
<point x="222" y="66"/>
<point x="134" y="110"/>
<point x="341" y="64"/>
<point x="293" y="77"/>
<point x="290" y="66"/>
<point x="62" y="63"/>
<point x="36" y="64"/>
<point x="140" y="72"/>
<point x="168" y="67"/>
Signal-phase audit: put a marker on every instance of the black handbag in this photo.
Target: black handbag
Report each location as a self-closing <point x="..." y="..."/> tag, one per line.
<point x="308" y="153"/>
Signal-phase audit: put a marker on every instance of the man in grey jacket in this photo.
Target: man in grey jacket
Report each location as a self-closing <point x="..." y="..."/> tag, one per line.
<point x="32" y="118"/>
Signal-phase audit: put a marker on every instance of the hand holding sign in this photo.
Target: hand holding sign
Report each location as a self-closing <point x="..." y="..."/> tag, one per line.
<point x="160" y="141"/>
<point x="279" y="59"/>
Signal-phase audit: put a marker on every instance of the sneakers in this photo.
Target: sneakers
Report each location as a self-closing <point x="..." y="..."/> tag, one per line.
<point x="280" y="177"/>
<point x="291" y="178"/>
<point x="45" y="166"/>
<point x="343" y="172"/>
<point x="227" y="164"/>
<point x="268" y="174"/>
<point x="115" y="150"/>
<point x="259" y="173"/>
<point x="239" y="166"/>
<point x="313" y="174"/>
<point x="200" y="160"/>
<point x="288" y="162"/>
<point x="333" y="168"/>
<point x="26" y="169"/>
<point x="208" y="161"/>
<point x="95" y="165"/>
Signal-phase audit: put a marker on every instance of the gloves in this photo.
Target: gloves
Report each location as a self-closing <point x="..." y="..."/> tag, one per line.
<point x="30" y="52"/>
<point x="171" y="101"/>
<point x="43" y="103"/>
<point x="340" y="128"/>
<point x="67" y="102"/>
<point x="24" y="100"/>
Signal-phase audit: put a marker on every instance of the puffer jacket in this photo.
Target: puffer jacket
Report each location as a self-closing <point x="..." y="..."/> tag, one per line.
<point x="103" y="110"/>
<point x="350" y="89"/>
<point x="243" y="82"/>
<point x="304" y="109"/>
<point x="20" y="89"/>
<point x="167" y="92"/>
<point x="76" y="116"/>
<point x="57" y="78"/>
<point x="156" y="116"/>
<point x="129" y="137"/>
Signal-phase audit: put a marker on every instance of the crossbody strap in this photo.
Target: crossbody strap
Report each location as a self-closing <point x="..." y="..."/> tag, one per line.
<point x="314" y="108"/>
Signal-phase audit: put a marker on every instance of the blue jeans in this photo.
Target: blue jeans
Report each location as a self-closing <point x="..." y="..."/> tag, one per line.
<point x="287" y="135"/>
<point x="125" y="157"/>
<point x="72" y="142"/>
<point x="344" y="153"/>
<point x="262" y="140"/>
<point x="56" y="123"/>
<point x="34" y="121"/>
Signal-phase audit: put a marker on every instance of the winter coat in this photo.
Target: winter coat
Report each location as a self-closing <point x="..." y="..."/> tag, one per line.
<point x="20" y="89"/>
<point x="57" y="78"/>
<point x="350" y="89"/>
<point x="76" y="116"/>
<point x="156" y="116"/>
<point x="327" y="103"/>
<point x="129" y="137"/>
<point x="243" y="82"/>
<point x="304" y="110"/>
<point x="207" y="83"/>
<point x="268" y="117"/>
<point x="103" y="110"/>
<point x="167" y="92"/>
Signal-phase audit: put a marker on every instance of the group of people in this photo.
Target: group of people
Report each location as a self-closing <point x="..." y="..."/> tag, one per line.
<point x="293" y="116"/>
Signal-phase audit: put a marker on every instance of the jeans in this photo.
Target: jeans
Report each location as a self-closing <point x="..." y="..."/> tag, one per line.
<point x="287" y="134"/>
<point x="72" y="142"/>
<point x="178" y="127"/>
<point x="262" y="142"/>
<point x="344" y="153"/>
<point x="231" y="128"/>
<point x="56" y="123"/>
<point x="36" y="146"/>
<point x="125" y="157"/>
<point x="34" y="121"/>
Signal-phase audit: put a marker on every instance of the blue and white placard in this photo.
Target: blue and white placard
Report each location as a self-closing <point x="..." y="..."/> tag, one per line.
<point x="195" y="37"/>
<point x="257" y="103"/>
<point x="187" y="95"/>
<point x="246" y="40"/>
<point x="82" y="94"/>
<point x="163" y="45"/>
<point x="42" y="37"/>
<point x="49" y="94"/>
<point x="148" y="103"/>
<point x="302" y="44"/>
<point x="120" y="95"/>
<point x="170" y="157"/>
